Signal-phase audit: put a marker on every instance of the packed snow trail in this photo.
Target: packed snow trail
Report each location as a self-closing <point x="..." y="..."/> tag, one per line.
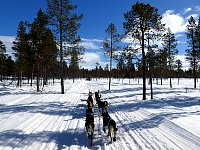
<point x="137" y="128"/>
<point x="44" y="121"/>
<point x="49" y="120"/>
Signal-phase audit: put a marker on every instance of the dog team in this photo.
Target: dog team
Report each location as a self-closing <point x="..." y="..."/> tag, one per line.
<point x="107" y="120"/>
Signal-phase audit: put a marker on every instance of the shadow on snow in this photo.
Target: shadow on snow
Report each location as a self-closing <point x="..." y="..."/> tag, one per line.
<point x="48" y="108"/>
<point x="16" y="138"/>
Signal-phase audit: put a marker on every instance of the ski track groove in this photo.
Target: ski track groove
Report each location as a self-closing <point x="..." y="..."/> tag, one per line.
<point x="27" y="130"/>
<point x="49" y="127"/>
<point x="35" y="131"/>
<point x="30" y="126"/>
<point x="162" y="132"/>
<point x="145" y="136"/>
<point x="72" y="104"/>
<point x="158" y="143"/>
<point x="97" y="127"/>
<point x="8" y="116"/>
<point x="104" y="139"/>
<point x="100" y="139"/>
<point x="62" y="127"/>
<point x="26" y="117"/>
<point x="125" y="126"/>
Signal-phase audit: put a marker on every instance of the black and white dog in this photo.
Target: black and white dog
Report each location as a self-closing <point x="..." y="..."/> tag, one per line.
<point x="90" y="100"/>
<point x="101" y="104"/>
<point x="89" y="125"/>
<point x="90" y="103"/>
<point x="111" y="124"/>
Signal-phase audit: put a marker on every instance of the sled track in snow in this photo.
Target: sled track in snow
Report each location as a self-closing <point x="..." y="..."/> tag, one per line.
<point x="47" y="121"/>
<point x="100" y="137"/>
<point x="38" y="125"/>
<point x="148" y="138"/>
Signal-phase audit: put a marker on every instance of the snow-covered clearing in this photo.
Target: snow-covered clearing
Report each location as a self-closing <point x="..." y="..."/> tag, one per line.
<point x="50" y="120"/>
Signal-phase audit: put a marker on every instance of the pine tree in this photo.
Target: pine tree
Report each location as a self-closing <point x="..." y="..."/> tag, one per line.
<point x="169" y="45"/>
<point x="139" y="20"/>
<point x="65" y="23"/>
<point x="110" y="46"/>
<point x="192" y="53"/>
<point x="21" y="46"/>
<point x="130" y="65"/>
<point x="121" y="66"/>
<point x="160" y="64"/>
<point x="2" y="58"/>
<point x="150" y="62"/>
<point x="9" y="68"/>
<point x="197" y="35"/>
<point x="178" y="66"/>
<point x="39" y="36"/>
<point x="75" y="52"/>
<point x="50" y="55"/>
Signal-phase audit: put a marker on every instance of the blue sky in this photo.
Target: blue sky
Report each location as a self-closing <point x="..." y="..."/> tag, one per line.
<point x="98" y="14"/>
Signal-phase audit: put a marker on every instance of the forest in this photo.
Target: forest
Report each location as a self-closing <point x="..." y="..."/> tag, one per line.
<point x="50" y="48"/>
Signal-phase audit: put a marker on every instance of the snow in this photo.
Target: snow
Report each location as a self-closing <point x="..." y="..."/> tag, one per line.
<point x="50" y="120"/>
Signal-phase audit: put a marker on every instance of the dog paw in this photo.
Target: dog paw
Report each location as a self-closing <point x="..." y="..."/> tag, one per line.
<point x="114" y="139"/>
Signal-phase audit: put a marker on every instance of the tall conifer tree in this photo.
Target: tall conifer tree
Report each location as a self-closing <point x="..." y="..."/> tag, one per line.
<point x="21" y="47"/>
<point x="2" y="58"/>
<point x="192" y="53"/>
<point x="139" y="20"/>
<point x="169" y="45"/>
<point x="110" y="46"/>
<point x="66" y="23"/>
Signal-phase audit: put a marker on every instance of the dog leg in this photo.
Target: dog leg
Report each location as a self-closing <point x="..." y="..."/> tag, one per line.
<point x="104" y="129"/>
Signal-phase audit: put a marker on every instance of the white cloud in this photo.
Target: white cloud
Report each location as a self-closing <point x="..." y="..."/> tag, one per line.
<point x="187" y="10"/>
<point x="7" y="40"/>
<point x="91" y="57"/>
<point x="127" y="40"/>
<point x="89" y="60"/>
<point x="89" y="45"/>
<point x="197" y="8"/>
<point x="180" y="35"/>
<point x="174" y="21"/>
<point x="195" y="16"/>
<point x="181" y="42"/>
<point x="91" y="40"/>
<point x="94" y="44"/>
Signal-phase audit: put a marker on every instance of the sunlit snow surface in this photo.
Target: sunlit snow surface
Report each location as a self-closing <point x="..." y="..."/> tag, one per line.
<point x="49" y="120"/>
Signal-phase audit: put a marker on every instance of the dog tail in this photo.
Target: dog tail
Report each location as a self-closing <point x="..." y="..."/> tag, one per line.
<point x="111" y="133"/>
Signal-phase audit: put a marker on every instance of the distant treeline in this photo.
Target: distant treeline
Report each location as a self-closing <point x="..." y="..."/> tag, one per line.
<point x="49" y="48"/>
<point x="9" y="70"/>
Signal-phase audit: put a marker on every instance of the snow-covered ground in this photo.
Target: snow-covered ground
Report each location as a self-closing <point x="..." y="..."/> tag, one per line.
<point x="50" y="120"/>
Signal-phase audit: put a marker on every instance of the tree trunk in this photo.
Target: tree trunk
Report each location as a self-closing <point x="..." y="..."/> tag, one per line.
<point x="170" y="67"/>
<point x="178" y="77"/>
<point x="18" y="79"/>
<point x="31" y="78"/>
<point x="195" y="77"/>
<point x="61" y="46"/>
<point x="151" y="85"/>
<point x="20" y="83"/>
<point x="143" y="68"/>
<point x="37" y="78"/>
<point x="110" y="74"/>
